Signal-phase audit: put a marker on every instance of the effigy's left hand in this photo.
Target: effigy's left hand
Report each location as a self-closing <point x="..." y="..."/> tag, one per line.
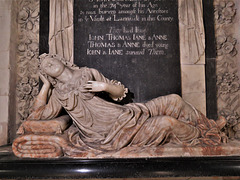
<point x="95" y="86"/>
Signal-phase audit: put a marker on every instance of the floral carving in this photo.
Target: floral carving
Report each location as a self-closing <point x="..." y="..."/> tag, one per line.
<point x="27" y="88"/>
<point x="227" y="83"/>
<point x="224" y="12"/>
<point x="226" y="46"/>
<point x="28" y="15"/>
<point x="233" y="122"/>
<point x="227" y="67"/>
<point x="28" y="52"/>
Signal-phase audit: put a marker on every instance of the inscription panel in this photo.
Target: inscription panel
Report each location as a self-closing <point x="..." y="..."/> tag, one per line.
<point x="136" y="42"/>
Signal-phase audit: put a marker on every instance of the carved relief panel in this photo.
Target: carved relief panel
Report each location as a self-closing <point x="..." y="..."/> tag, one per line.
<point x="227" y="65"/>
<point x="27" y="56"/>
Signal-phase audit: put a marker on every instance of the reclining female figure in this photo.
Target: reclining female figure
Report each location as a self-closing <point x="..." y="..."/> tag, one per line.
<point x="104" y="125"/>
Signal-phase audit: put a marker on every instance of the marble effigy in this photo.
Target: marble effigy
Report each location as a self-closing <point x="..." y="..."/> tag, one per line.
<point x="101" y="128"/>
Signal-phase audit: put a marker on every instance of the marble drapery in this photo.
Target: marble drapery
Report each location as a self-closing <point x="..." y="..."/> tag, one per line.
<point x="61" y="28"/>
<point x="192" y="36"/>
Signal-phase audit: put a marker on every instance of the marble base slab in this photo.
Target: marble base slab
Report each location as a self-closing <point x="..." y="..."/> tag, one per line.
<point x="232" y="148"/>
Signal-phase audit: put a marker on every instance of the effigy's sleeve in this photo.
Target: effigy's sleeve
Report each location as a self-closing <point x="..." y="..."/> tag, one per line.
<point x="100" y="77"/>
<point x="48" y="111"/>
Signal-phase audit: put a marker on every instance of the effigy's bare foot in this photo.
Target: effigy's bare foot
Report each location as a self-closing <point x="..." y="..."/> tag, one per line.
<point x="221" y="122"/>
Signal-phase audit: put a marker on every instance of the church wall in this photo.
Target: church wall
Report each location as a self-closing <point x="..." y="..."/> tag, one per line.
<point x="5" y="31"/>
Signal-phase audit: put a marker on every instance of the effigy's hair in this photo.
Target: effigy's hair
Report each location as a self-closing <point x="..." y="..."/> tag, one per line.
<point x="55" y="56"/>
<point x="52" y="80"/>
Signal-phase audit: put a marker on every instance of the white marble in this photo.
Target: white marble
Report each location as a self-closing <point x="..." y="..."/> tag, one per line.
<point x="198" y="100"/>
<point x="192" y="53"/>
<point x="4" y="102"/>
<point x="5" y="30"/>
<point x="4" y="59"/>
<point x="4" y="82"/>
<point x="3" y="133"/>
<point x="193" y="78"/>
<point x="193" y="86"/>
<point x="184" y="60"/>
<point x="5" y="4"/>
<point x="191" y="31"/>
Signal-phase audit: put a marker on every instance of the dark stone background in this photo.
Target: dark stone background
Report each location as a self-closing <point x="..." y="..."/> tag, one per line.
<point x="211" y="88"/>
<point x="44" y="27"/>
<point x="146" y="76"/>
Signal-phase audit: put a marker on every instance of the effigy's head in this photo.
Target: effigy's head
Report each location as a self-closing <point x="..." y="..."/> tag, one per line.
<point x="51" y="65"/>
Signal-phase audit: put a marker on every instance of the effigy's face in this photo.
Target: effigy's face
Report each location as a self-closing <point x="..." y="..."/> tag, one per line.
<point x="52" y="67"/>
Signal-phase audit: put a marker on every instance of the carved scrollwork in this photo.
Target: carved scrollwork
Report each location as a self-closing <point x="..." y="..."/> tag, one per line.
<point x="227" y="67"/>
<point x="27" y="56"/>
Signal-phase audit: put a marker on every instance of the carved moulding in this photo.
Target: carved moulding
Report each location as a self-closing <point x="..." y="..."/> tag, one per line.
<point x="27" y="56"/>
<point x="228" y="96"/>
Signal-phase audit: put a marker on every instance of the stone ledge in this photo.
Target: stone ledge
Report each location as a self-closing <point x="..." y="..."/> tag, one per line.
<point x="12" y="167"/>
